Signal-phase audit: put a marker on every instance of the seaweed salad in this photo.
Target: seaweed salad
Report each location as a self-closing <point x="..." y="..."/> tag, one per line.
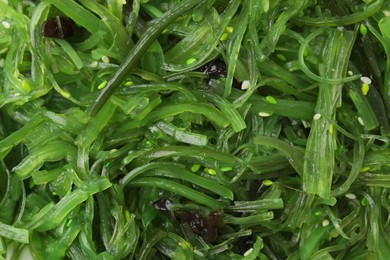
<point x="195" y="129"/>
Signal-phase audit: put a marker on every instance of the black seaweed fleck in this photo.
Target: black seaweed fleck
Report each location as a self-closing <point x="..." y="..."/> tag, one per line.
<point x="203" y="225"/>
<point x="58" y="27"/>
<point x="214" y="69"/>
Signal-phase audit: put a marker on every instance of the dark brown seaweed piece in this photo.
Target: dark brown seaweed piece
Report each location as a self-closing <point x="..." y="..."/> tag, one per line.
<point x="58" y="27"/>
<point x="214" y="69"/>
<point x="203" y="225"/>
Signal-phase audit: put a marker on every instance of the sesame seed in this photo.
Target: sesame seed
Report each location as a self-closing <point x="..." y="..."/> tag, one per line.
<point x="248" y="252"/>
<point x="366" y="80"/>
<point x="224" y="37"/>
<point x="103" y="84"/>
<point x="128" y="83"/>
<point x="225" y="169"/>
<point x="281" y="57"/>
<point x="350" y="72"/>
<point x="94" y="64"/>
<point x="195" y="167"/>
<point x="364" y="202"/>
<point x="365" y="88"/>
<point x="363" y="29"/>
<point x="317" y="116"/>
<point x="229" y="29"/>
<point x="210" y="171"/>
<point x="26" y="86"/>
<point x="245" y="85"/>
<point x="325" y="223"/>
<point x="350" y="196"/>
<point x="6" y="24"/>
<point x="271" y="100"/>
<point x="190" y="61"/>
<point x="265" y="114"/>
<point x="360" y="120"/>
<point x="105" y="59"/>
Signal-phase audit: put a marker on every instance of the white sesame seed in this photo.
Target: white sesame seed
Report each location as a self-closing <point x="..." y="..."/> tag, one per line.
<point x="6" y="24"/>
<point x="264" y="114"/>
<point x="245" y="85"/>
<point x="105" y="59"/>
<point x="94" y="64"/>
<point x="350" y="72"/>
<point x="317" y="116"/>
<point x="325" y="223"/>
<point x="350" y="196"/>
<point x="366" y="80"/>
<point x="361" y="122"/>
<point x="248" y="251"/>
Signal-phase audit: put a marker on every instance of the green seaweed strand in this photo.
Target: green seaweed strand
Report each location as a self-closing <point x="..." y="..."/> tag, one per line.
<point x="157" y="26"/>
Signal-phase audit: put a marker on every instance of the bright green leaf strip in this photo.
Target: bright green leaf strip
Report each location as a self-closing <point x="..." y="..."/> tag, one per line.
<point x="68" y="49"/>
<point x="13" y="233"/>
<point x="201" y="42"/>
<point x="181" y="135"/>
<point x="50" y="152"/>
<point x="179" y="189"/>
<point x="294" y="155"/>
<point x="202" y="155"/>
<point x="227" y="108"/>
<point x="174" y="171"/>
<point x="164" y="111"/>
<point x="139" y="49"/>
<point x="17" y="137"/>
<point x="319" y="160"/>
<point x="257" y="205"/>
<point x="253" y="220"/>
<point x="60" y="211"/>
<point x="180" y="173"/>
<point x="341" y="21"/>
<point x="78" y="13"/>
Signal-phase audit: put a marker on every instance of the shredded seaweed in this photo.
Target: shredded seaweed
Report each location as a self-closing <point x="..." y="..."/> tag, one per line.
<point x="194" y="129"/>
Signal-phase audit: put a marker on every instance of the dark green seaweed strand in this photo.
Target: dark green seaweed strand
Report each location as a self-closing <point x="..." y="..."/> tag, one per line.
<point x="155" y="28"/>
